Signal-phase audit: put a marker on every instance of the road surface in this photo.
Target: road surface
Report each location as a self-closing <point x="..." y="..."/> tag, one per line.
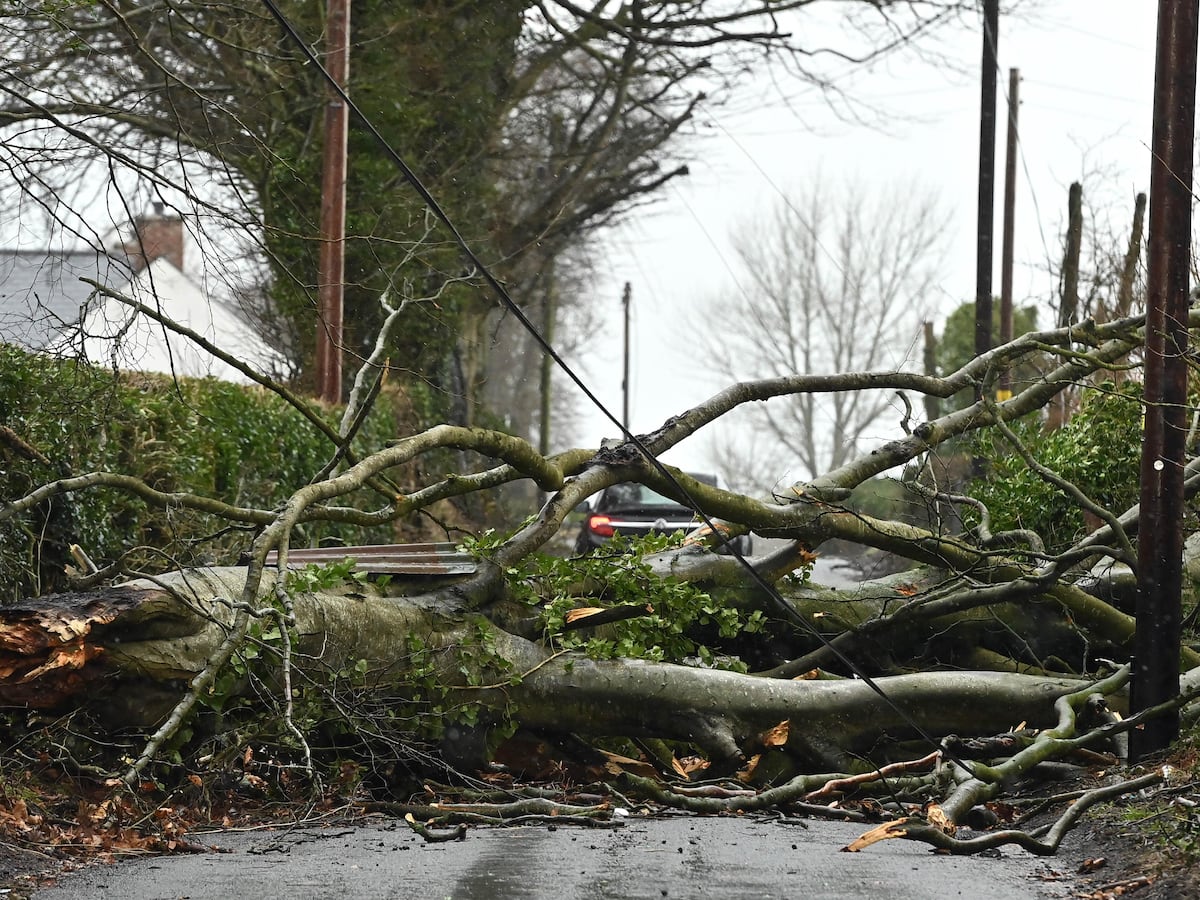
<point x="647" y="859"/>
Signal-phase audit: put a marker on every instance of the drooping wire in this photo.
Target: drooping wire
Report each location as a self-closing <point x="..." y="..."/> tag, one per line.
<point x="785" y="609"/>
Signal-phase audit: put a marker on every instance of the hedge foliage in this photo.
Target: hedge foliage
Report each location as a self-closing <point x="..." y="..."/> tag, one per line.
<point x="1098" y="450"/>
<point x="239" y="444"/>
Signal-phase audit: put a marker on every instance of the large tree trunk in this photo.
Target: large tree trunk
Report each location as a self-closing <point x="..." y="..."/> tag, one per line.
<point x="112" y="650"/>
<point x="148" y="653"/>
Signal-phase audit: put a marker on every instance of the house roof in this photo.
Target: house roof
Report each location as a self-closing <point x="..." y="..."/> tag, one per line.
<point x="111" y="333"/>
<point x="44" y="306"/>
<point x="41" y="293"/>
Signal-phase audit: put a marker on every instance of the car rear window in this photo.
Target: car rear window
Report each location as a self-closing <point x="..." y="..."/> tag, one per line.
<point x="622" y="495"/>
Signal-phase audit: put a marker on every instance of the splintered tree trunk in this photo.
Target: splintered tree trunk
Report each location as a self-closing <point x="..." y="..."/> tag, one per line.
<point x="123" y="651"/>
<point x="1068" y="306"/>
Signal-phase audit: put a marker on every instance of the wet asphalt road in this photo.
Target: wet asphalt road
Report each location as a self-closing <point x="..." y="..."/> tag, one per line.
<point x="674" y="858"/>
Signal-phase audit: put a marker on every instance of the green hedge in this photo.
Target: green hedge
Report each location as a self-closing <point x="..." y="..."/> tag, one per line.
<point x="1098" y="450"/>
<point x="239" y="444"/>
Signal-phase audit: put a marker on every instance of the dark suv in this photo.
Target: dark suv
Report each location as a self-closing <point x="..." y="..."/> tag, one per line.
<point x="635" y="510"/>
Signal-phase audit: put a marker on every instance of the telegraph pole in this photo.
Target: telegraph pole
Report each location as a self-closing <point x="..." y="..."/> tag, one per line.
<point x="331" y="262"/>
<point x="1010" y="208"/>
<point x="626" y="299"/>
<point x="1169" y="241"/>
<point x="987" y="179"/>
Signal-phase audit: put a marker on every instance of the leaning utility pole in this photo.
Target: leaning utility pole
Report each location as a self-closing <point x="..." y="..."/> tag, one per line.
<point x="331" y="262"/>
<point x="1169" y="242"/>
<point x="1006" y="246"/>
<point x="987" y="179"/>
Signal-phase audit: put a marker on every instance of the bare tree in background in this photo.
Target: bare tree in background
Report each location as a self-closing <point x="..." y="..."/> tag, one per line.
<point x="826" y="286"/>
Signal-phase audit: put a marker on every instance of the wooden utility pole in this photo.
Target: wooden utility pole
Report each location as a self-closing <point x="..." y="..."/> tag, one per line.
<point x="1160" y="524"/>
<point x="1010" y="208"/>
<point x="986" y="225"/>
<point x="331" y="262"/>
<point x="626" y="300"/>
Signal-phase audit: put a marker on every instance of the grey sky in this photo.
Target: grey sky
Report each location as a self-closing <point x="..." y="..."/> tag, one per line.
<point x="1087" y="69"/>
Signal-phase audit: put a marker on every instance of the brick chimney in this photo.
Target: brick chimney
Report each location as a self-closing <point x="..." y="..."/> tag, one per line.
<point x="155" y="236"/>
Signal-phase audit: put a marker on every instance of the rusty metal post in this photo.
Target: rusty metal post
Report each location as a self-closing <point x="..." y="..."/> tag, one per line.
<point x="331" y="261"/>
<point x="1160" y="534"/>
<point x="986" y="225"/>
<point x="1010" y="209"/>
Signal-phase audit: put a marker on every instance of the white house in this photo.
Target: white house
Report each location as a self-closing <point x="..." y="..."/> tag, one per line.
<point x="45" y="306"/>
<point x="112" y="333"/>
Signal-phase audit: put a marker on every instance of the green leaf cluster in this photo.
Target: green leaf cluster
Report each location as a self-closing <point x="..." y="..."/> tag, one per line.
<point x="436" y="677"/>
<point x="683" y="624"/>
<point x="256" y="659"/>
<point x="313" y="577"/>
<point x="240" y="445"/>
<point x="1098" y="450"/>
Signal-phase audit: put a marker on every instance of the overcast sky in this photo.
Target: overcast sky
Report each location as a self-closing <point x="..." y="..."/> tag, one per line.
<point x="1087" y="70"/>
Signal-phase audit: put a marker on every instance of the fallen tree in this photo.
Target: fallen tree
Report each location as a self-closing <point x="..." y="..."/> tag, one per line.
<point x="504" y="644"/>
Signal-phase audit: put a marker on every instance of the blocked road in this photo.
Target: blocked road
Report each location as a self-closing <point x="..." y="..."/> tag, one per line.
<point x="648" y="859"/>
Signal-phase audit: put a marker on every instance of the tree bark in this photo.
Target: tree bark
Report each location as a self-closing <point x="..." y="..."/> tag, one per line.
<point x="93" y="649"/>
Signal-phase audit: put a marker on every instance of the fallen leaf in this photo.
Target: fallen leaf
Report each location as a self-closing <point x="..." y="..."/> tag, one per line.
<point x="616" y="764"/>
<point x="747" y="774"/>
<point x="776" y="736"/>
<point x="1005" y="812"/>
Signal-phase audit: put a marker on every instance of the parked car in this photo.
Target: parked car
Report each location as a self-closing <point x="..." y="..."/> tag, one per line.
<point x="635" y="510"/>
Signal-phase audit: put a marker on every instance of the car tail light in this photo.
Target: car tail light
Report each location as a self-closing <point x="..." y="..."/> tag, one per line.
<point x="601" y="526"/>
